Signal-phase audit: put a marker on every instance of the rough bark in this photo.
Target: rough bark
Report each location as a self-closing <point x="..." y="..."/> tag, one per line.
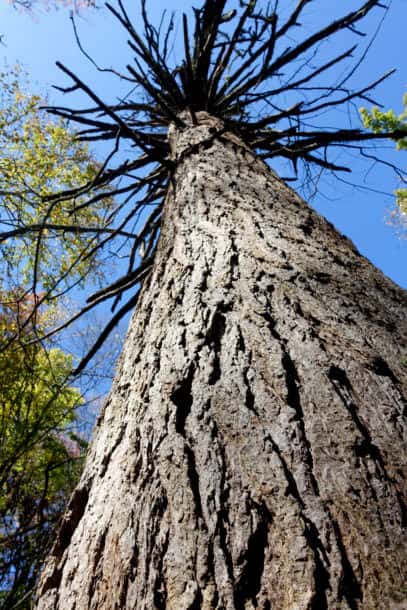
<point x="250" y="454"/>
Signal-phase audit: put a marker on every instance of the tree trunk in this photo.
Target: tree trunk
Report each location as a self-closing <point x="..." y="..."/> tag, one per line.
<point x="250" y="454"/>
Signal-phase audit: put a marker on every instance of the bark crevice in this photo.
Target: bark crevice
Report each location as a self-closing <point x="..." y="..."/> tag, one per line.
<point x="249" y="583"/>
<point x="321" y="584"/>
<point x="349" y="586"/>
<point x="183" y="399"/>
<point x="294" y="400"/>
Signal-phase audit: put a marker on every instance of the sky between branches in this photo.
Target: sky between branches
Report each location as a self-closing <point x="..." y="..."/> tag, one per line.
<point x="38" y="42"/>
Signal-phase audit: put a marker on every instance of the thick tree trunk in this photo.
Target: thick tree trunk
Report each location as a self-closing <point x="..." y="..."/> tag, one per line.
<point x="250" y="455"/>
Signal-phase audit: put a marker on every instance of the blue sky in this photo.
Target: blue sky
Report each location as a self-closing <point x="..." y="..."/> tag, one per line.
<point x="38" y="42"/>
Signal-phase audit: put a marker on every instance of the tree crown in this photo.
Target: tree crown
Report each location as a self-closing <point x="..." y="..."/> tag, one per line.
<point x="240" y="61"/>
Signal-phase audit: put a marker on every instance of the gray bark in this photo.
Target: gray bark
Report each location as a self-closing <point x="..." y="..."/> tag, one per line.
<point x="250" y="454"/>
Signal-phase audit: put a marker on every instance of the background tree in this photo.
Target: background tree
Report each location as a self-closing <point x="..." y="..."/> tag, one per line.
<point x="47" y="249"/>
<point x="384" y="121"/>
<point x="254" y="431"/>
<point x="40" y="453"/>
<point x="40" y="450"/>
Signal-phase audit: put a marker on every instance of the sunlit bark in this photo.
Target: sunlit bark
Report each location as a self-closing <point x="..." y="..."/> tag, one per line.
<point x="250" y="454"/>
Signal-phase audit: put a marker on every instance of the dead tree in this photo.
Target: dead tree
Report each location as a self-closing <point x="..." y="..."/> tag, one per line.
<point x="250" y="454"/>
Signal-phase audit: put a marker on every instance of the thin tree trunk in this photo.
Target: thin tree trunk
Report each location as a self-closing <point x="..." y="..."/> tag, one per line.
<point x="250" y="454"/>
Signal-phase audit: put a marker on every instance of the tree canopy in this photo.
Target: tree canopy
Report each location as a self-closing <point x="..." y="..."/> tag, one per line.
<point x="251" y="66"/>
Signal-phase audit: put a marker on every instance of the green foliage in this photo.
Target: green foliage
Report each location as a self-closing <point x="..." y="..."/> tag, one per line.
<point x="379" y="121"/>
<point x="382" y="122"/>
<point x="41" y="156"/>
<point x="40" y="456"/>
<point x="40" y="453"/>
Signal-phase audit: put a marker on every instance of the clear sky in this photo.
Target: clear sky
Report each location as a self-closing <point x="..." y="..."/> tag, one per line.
<point x="37" y="43"/>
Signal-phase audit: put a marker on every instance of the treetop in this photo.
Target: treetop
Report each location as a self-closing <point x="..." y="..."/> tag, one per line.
<point x="247" y="63"/>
